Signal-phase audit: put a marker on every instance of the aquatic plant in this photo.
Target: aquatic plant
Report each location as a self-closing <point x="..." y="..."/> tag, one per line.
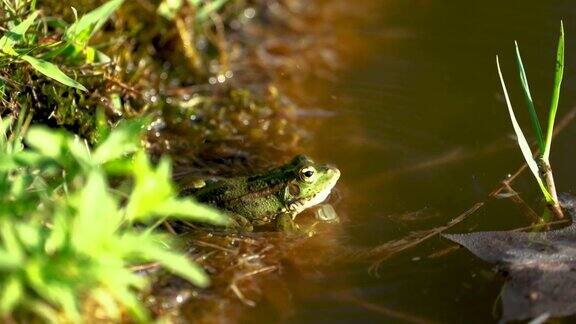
<point x="68" y="238"/>
<point x="539" y="164"/>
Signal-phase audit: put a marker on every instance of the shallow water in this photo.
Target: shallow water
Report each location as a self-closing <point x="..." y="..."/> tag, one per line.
<point x="421" y="134"/>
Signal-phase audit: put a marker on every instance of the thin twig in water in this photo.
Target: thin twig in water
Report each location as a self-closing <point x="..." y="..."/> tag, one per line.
<point x="238" y="292"/>
<point x="444" y="252"/>
<point x="453" y="156"/>
<point x="214" y="246"/>
<point x="241" y="297"/>
<point x="515" y="197"/>
<point x="382" y="310"/>
<point x="540" y="225"/>
<point x="389" y="249"/>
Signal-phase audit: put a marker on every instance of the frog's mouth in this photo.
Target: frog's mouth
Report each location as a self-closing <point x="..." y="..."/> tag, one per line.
<point x="307" y="202"/>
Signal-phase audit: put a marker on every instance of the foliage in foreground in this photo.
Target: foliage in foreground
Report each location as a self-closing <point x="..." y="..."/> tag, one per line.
<point x="539" y="165"/>
<point x="68" y="238"/>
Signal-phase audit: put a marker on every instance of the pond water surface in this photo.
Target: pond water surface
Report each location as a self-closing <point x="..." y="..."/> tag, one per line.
<point x="421" y="134"/>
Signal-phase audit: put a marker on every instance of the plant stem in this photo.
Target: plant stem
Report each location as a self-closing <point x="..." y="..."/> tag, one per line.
<point x="546" y="174"/>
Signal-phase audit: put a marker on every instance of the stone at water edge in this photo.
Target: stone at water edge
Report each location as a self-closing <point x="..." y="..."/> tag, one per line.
<point x="541" y="267"/>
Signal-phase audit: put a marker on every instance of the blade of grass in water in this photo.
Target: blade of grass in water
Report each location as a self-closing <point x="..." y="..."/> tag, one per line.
<point x="559" y="74"/>
<point x="529" y="101"/>
<point x="524" y="147"/>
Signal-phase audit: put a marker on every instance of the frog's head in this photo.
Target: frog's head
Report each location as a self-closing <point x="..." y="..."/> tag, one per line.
<point x="310" y="183"/>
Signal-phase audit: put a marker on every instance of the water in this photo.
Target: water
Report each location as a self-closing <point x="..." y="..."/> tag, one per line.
<point x="421" y="127"/>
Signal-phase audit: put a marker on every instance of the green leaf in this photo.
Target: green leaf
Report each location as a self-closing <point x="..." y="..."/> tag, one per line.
<point x="208" y="9"/>
<point x="16" y="34"/>
<point x="81" y="31"/>
<point x="5" y="123"/>
<point x="123" y="140"/>
<point x="43" y="310"/>
<point x="14" y="251"/>
<point x="151" y="188"/>
<point x="127" y="298"/>
<point x="52" y="71"/>
<point x="11" y="294"/>
<point x="558" y="75"/>
<point x="169" y="8"/>
<point x="95" y="223"/>
<point x="190" y="209"/>
<point x="524" y="147"/>
<point x="29" y="235"/>
<point x="9" y="261"/>
<point x="529" y="102"/>
<point x="58" y="234"/>
<point x="107" y="302"/>
<point x="65" y="297"/>
<point x="174" y="262"/>
<point x="45" y="141"/>
<point x="79" y="149"/>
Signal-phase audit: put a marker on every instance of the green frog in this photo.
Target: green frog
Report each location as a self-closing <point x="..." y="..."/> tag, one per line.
<point x="273" y="197"/>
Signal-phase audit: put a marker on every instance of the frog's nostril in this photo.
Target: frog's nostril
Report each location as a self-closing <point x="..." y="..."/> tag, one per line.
<point x="333" y="170"/>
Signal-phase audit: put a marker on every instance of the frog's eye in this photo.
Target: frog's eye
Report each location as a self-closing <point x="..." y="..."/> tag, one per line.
<point x="307" y="173"/>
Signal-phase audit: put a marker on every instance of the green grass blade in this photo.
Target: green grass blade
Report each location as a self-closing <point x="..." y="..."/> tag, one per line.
<point x="169" y="8"/>
<point x="16" y="34"/>
<point x="81" y="31"/>
<point x="529" y="101"/>
<point x="524" y="147"/>
<point x="209" y="9"/>
<point x="52" y="71"/>
<point x="559" y="74"/>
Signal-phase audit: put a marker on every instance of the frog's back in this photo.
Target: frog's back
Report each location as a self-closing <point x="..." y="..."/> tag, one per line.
<point x="251" y="197"/>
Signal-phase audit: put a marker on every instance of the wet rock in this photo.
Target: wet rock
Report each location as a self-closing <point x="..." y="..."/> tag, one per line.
<point x="540" y="266"/>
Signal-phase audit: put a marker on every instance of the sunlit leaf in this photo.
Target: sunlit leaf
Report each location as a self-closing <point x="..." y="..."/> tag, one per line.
<point x="208" y="9"/>
<point x="58" y="234"/>
<point x="9" y="261"/>
<point x="97" y="215"/>
<point x="107" y="302"/>
<point x="79" y="149"/>
<point x="5" y="123"/>
<point x="52" y="71"/>
<point x="10" y="243"/>
<point x="558" y="75"/>
<point x="528" y="98"/>
<point x="10" y="294"/>
<point x="176" y="263"/>
<point x="124" y="140"/>
<point x="189" y="209"/>
<point x="169" y="8"/>
<point x="127" y="298"/>
<point x="29" y="235"/>
<point x="16" y="34"/>
<point x="151" y="188"/>
<point x="524" y="147"/>
<point x="81" y="31"/>
<point x="47" y="142"/>
<point x="43" y="310"/>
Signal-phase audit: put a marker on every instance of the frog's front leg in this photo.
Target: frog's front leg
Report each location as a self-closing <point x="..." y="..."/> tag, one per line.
<point x="240" y="223"/>
<point x="285" y="223"/>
